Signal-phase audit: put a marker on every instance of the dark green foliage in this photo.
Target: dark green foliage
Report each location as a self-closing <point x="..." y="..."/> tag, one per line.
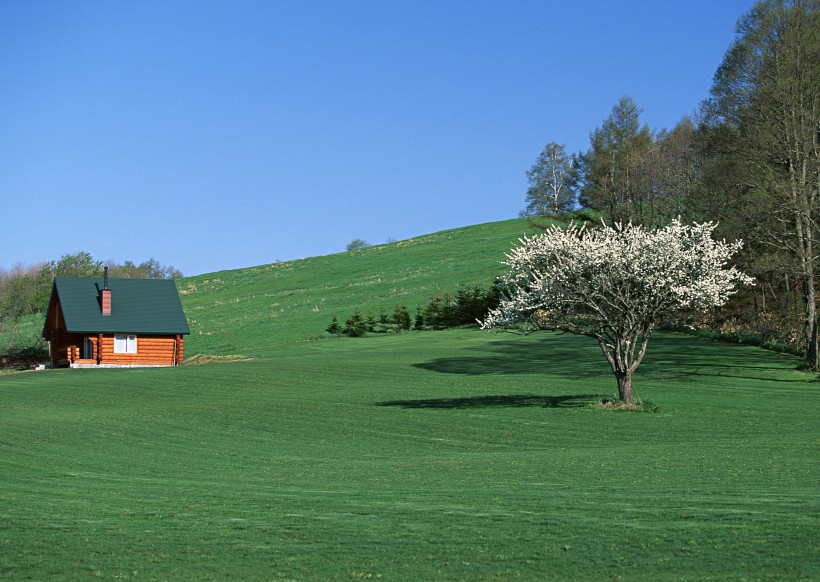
<point x="418" y="321"/>
<point x="334" y="326"/>
<point x="436" y="314"/>
<point x="473" y="303"/>
<point x="355" y="325"/>
<point x="21" y="343"/>
<point x="370" y="323"/>
<point x="401" y="318"/>
<point x="24" y="357"/>
<point x="616" y="170"/>
<point x="468" y="306"/>
<point x="356" y="244"/>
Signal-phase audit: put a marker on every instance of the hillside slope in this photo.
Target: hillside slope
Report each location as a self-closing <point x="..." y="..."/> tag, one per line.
<point x="458" y="455"/>
<point x="248" y="310"/>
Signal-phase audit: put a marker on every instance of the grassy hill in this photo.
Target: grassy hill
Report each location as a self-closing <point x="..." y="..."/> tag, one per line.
<point x="247" y="311"/>
<point x="457" y="455"/>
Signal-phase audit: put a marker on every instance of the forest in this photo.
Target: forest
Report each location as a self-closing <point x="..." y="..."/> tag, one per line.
<point x="748" y="159"/>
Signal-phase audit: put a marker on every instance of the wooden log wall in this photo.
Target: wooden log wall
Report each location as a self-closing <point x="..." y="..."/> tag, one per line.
<point x="151" y="350"/>
<point x="65" y="347"/>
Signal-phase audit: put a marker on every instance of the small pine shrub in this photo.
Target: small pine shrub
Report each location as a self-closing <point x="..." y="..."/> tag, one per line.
<point x="418" y="323"/>
<point x="370" y="323"/>
<point x="334" y="326"/>
<point x="467" y="306"/>
<point x="355" y="325"/>
<point x="401" y="318"/>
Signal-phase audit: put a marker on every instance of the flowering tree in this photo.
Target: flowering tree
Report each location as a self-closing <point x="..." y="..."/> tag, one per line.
<point x="614" y="284"/>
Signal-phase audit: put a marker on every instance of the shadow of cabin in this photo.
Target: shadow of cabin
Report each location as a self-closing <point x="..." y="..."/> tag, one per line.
<point x="97" y="322"/>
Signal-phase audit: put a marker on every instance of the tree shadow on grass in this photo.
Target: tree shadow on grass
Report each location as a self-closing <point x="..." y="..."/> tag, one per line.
<point x="669" y="355"/>
<point x="499" y="401"/>
<point x="673" y="355"/>
<point x="565" y="355"/>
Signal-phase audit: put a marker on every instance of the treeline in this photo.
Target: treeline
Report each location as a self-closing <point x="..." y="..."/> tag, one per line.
<point x="26" y="290"/>
<point x="749" y="159"/>
<point x="465" y="306"/>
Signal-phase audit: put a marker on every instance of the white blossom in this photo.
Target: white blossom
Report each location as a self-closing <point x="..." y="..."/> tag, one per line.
<point x="614" y="284"/>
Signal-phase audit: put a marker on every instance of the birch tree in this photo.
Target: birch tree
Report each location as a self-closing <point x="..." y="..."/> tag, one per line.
<point x="551" y="179"/>
<point x="614" y="284"/>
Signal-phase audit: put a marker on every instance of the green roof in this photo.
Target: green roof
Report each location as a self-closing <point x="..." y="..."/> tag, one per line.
<point x="140" y="306"/>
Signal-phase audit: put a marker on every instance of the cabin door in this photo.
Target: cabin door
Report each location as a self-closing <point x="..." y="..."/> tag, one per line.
<point x="88" y="349"/>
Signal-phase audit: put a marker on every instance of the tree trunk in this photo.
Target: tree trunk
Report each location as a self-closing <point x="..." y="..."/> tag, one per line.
<point x="811" y="325"/>
<point x="624" y="387"/>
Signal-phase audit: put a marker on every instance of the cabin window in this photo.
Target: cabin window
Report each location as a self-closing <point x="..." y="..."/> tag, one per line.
<point x="125" y="344"/>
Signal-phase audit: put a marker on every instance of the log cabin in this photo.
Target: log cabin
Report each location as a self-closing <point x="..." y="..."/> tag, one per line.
<point x="92" y="322"/>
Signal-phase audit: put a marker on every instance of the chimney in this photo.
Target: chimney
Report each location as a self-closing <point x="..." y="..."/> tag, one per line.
<point x="105" y="298"/>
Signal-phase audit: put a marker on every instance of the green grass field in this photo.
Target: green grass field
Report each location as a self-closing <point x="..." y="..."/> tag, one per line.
<point x="248" y="310"/>
<point x="457" y="455"/>
<point x="450" y="455"/>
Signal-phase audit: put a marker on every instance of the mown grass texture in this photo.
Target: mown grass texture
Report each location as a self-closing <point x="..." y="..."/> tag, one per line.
<point x="458" y="455"/>
<point x="247" y="310"/>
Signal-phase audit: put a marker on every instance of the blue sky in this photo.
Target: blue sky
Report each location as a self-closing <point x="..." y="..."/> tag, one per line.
<point x="214" y="135"/>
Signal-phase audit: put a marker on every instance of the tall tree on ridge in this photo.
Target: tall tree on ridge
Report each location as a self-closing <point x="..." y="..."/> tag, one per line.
<point x="615" y="170"/>
<point x="763" y="121"/>
<point x="552" y="179"/>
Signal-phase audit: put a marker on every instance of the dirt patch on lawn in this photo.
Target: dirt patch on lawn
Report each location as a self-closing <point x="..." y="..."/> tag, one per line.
<point x="209" y="359"/>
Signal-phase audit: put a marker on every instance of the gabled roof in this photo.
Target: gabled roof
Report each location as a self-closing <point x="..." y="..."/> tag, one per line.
<point x="144" y="306"/>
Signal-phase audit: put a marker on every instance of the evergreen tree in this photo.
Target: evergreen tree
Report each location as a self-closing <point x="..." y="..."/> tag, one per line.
<point x="616" y="169"/>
